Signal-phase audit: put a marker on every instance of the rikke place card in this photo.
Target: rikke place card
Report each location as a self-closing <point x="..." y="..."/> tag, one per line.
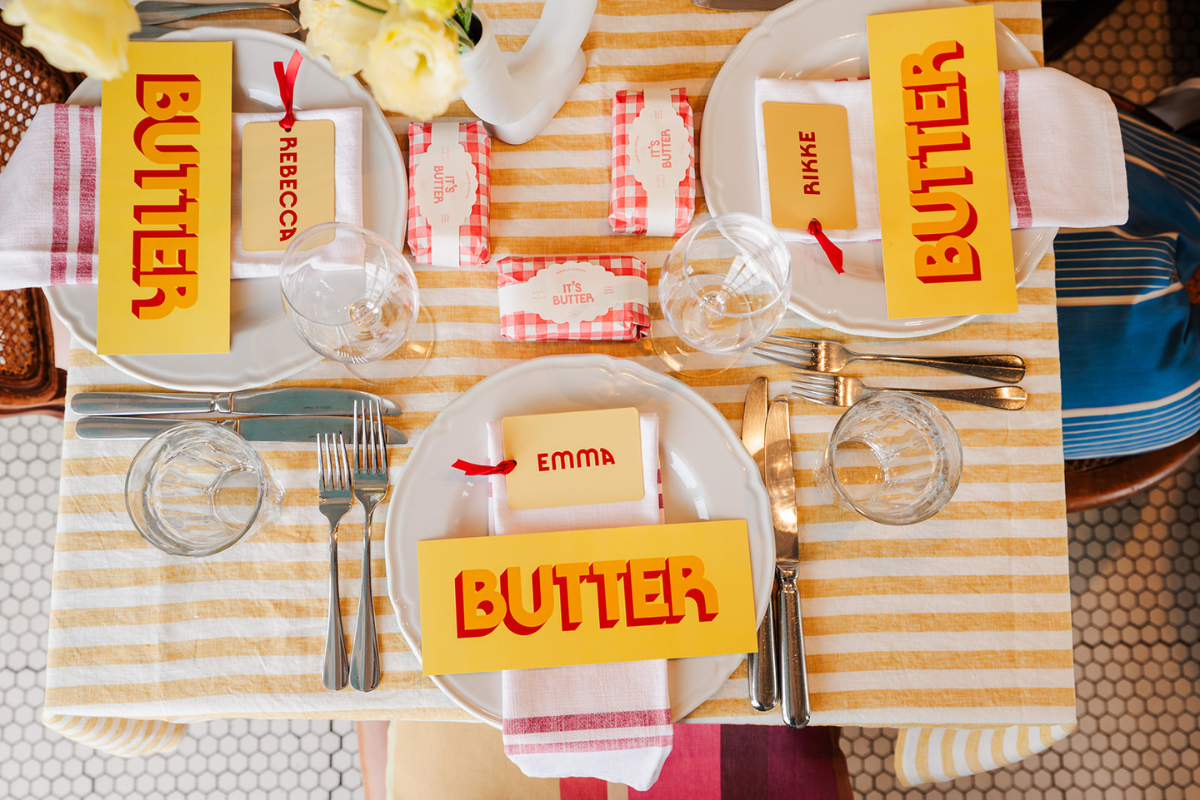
<point x="165" y="178"/>
<point x="939" y="150"/>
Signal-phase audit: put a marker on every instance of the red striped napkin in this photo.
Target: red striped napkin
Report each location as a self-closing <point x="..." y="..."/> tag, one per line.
<point x="607" y="721"/>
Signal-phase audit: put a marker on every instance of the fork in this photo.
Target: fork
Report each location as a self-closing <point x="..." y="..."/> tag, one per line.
<point x="156" y="12"/>
<point x="370" y="487"/>
<point x="334" y="497"/>
<point x="825" y="356"/>
<point x="839" y="390"/>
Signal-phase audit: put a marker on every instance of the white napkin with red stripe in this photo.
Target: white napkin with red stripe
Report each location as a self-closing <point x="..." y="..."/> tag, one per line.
<point x="1062" y="138"/>
<point x="606" y="721"/>
<point x="50" y="191"/>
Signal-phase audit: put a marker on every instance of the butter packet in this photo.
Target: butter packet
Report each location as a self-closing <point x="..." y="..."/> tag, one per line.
<point x="449" y="206"/>
<point x="653" y="163"/>
<point x="573" y="298"/>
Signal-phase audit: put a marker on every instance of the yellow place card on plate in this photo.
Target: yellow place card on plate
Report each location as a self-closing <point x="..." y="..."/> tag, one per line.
<point x="164" y="201"/>
<point x="575" y="458"/>
<point x="808" y="165"/>
<point x="939" y="149"/>
<point x="287" y="181"/>
<point x="585" y="597"/>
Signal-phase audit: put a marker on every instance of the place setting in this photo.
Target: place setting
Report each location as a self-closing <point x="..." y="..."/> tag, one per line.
<point x="726" y="392"/>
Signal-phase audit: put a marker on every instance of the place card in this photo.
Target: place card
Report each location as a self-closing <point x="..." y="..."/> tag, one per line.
<point x="533" y="600"/>
<point x="939" y="149"/>
<point x="164" y="201"/>
<point x="287" y="181"/>
<point x="574" y="458"/>
<point x="808" y="165"/>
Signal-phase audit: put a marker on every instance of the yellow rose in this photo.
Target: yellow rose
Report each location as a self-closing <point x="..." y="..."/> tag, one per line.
<point x="89" y="36"/>
<point x="435" y="8"/>
<point x="340" y="30"/>
<point x="413" y="66"/>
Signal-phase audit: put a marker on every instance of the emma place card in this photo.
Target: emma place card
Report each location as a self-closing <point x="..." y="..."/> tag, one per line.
<point x="939" y="149"/>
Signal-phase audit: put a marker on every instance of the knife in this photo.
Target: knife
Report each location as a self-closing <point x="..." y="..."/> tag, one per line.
<point x="252" y="429"/>
<point x="741" y="5"/>
<point x="781" y="486"/>
<point x="764" y="691"/>
<point x="289" y="402"/>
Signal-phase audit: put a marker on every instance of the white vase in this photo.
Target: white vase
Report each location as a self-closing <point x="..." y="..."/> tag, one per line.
<point x="517" y="99"/>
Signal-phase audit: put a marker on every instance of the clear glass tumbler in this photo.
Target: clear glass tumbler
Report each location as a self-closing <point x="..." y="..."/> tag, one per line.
<point x="723" y="289"/>
<point x="352" y="295"/>
<point x="893" y="457"/>
<point x="197" y="488"/>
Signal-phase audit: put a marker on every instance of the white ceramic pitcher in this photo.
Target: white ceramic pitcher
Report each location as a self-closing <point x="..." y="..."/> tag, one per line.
<point x="517" y="99"/>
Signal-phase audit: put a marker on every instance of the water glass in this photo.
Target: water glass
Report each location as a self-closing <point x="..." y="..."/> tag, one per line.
<point x="723" y="289"/>
<point x="893" y="457"/>
<point x="197" y="488"/>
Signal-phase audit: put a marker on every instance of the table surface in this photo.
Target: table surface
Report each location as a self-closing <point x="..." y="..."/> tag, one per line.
<point x="963" y="620"/>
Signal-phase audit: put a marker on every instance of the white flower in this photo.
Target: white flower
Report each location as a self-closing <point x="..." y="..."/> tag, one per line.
<point x="341" y="31"/>
<point x="89" y="36"/>
<point x="412" y="65"/>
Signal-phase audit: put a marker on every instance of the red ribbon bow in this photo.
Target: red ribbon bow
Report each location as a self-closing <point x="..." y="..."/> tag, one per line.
<point x="287" y="86"/>
<point x="503" y="468"/>
<point x="832" y="251"/>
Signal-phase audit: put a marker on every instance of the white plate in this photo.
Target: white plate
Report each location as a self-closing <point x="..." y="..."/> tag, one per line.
<point x="824" y="39"/>
<point x="706" y="474"/>
<point x="264" y="347"/>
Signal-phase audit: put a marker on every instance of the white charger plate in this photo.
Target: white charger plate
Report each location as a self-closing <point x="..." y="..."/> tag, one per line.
<point x="706" y="474"/>
<point x="264" y="346"/>
<point x="819" y="40"/>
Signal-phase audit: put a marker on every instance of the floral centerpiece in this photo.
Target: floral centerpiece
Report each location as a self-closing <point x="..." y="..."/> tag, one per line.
<point x="407" y="50"/>
<point x="89" y="36"/>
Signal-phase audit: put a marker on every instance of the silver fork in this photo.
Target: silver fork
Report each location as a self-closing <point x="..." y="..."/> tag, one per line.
<point x="334" y="497"/>
<point x="825" y="356"/>
<point x="839" y="390"/>
<point x="157" y="12"/>
<point x="370" y="487"/>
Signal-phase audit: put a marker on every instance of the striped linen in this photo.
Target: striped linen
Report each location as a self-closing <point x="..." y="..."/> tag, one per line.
<point x="963" y="620"/>
<point x="1124" y="309"/>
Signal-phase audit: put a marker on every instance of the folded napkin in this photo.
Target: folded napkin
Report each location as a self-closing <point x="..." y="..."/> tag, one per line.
<point x="49" y="195"/>
<point x="607" y="721"/>
<point x="1062" y="140"/>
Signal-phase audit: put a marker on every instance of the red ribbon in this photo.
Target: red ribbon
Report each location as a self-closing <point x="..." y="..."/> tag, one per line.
<point x="503" y="468"/>
<point x="287" y="85"/>
<point x="832" y="251"/>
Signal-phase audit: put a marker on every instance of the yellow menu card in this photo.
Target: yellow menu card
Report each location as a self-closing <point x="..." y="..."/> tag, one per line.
<point x="165" y="180"/>
<point x="585" y="597"/>
<point x="939" y="150"/>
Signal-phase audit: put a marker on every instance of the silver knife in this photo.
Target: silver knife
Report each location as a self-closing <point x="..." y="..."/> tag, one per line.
<point x="764" y="690"/>
<point x="300" y="401"/>
<point x="781" y="486"/>
<point x="252" y="429"/>
<point x="741" y="5"/>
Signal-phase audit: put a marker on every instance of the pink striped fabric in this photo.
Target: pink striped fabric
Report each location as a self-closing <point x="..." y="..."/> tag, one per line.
<point x="1012" y="146"/>
<point x="89" y="180"/>
<point x="61" y="200"/>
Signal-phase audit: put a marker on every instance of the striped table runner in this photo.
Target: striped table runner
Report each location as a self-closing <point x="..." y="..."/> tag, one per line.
<point x="957" y="629"/>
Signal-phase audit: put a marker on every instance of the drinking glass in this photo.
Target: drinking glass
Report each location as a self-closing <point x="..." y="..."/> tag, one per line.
<point x="893" y="457"/>
<point x="197" y="488"/>
<point x="353" y="298"/>
<point x="723" y="289"/>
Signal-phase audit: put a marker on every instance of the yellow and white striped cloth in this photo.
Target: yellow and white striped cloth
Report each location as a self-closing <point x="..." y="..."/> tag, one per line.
<point x="945" y="627"/>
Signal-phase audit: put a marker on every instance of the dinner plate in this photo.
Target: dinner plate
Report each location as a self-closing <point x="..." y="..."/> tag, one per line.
<point x="825" y="39"/>
<point x="706" y="474"/>
<point x="264" y="346"/>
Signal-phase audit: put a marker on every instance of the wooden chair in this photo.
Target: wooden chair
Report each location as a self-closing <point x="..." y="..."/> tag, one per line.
<point x="29" y="381"/>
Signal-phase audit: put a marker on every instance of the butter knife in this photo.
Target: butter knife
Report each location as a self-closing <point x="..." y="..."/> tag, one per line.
<point x="764" y="691"/>
<point x="781" y="486"/>
<point x="252" y="429"/>
<point x="741" y="5"/>
<point x="301" y="401"/>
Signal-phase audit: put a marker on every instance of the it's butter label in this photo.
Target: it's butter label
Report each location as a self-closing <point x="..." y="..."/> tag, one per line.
<point x="287" y="181"/>
<point x="808" y="165"/>
<point x="574" y="458"/>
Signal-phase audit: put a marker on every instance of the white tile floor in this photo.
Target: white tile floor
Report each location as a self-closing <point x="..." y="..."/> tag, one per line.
<point x="226" y="759"/>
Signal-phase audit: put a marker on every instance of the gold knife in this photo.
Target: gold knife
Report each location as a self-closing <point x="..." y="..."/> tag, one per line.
<point x="761" y="670"/>
<point x="781" y="486"/>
